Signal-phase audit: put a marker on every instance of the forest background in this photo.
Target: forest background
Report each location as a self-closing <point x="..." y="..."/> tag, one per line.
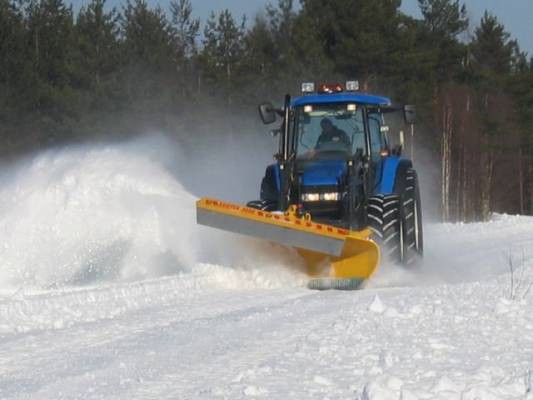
<point x="104" y="73"/>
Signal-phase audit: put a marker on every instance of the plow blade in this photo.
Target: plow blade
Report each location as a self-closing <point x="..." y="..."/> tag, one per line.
<point x="335" y="258"/>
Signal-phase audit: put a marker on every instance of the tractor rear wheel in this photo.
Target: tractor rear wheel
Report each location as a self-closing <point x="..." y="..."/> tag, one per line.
<point x="411" y="219"/>
<point x="384" y="219"/>
<point x="396" y="221"/>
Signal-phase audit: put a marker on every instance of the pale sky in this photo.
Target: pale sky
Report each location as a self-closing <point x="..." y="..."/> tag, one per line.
<point x="516" y="15"/>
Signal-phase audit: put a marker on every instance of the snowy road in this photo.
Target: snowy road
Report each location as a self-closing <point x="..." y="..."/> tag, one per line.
<point x="185" y="337"/>
<point x="242" y="328"/>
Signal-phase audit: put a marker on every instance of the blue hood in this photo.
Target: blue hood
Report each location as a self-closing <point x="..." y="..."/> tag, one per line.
<point x="324" y="172"/>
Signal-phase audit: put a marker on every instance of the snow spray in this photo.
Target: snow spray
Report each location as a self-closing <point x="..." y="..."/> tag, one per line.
<point x="118" y="212"/>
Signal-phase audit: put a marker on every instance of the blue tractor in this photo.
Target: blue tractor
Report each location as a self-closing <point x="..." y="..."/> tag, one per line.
<point x="335" y="173"/>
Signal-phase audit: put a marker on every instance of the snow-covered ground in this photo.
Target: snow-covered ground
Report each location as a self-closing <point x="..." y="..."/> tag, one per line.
<point x="110" y="291"/>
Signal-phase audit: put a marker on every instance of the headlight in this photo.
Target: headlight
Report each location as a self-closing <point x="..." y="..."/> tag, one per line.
<point x="309" y="197"/>
<point x="333" y="196"/>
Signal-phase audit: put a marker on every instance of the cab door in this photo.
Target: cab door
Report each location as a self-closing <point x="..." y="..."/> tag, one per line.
<point x="377" y="146"/>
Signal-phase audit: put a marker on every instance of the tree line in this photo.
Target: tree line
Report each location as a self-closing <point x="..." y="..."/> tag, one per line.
<point x="103" y="72"/>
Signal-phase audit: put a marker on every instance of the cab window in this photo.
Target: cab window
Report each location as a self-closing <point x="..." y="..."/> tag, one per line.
<point x="376" y="137"/>
<point x="327" y="130"/>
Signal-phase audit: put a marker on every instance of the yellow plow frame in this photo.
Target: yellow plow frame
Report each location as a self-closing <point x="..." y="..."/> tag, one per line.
<point x="335" y="257"/>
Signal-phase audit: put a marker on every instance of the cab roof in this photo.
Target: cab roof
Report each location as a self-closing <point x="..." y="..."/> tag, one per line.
<point x="359" y="98"/>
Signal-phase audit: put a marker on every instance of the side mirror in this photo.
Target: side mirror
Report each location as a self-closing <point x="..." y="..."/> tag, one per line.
<point x="409" y="114"/>
<point x="267" y="113"/>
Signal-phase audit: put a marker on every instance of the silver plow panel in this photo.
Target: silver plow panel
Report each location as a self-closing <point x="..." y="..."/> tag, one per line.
<point x="273" y="233"/>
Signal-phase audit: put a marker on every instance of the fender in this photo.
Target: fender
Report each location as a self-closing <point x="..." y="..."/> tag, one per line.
<point x="392" y="169"/>
<point x="271" y="183"/>
<point x="277" y="175"/>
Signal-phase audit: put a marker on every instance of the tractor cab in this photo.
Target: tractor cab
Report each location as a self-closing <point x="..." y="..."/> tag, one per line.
<point x="333" y="143"/>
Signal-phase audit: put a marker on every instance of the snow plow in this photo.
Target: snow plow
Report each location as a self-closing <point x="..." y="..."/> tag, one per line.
<point x="339" y="193"/>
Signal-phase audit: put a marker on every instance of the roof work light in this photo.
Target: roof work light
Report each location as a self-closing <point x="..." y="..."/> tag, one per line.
<point x="308" y="87"/>
<point x="352" y="86"/>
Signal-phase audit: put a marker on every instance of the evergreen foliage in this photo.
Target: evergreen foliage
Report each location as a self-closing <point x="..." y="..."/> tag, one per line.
<point x="104" y="72"/>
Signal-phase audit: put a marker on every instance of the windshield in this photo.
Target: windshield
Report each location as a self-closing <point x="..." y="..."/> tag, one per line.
<point x="329" y="130"/>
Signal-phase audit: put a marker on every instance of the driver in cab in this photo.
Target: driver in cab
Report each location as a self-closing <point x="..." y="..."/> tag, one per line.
<point x="332" y="136"/>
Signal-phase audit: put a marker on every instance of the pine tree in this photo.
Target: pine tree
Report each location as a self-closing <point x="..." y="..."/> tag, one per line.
<point x="50" y="30"/>
<point x="358" y="35"/>
<point x="149" y="39"/>
<point x="280" y="22"/>
<point x="13" y="54"/>
<point x="223" y="50"/>
<point x="97" y="34"/>
<point x="492" y="53"/>
<point x="492" y="49"/>
<point x="444" y="21"/>
<point x="186" y="30"/>
<point x="444" y="18"/>
<point x="260" y="69"/>
<point x="186" y="27"/>
<point x="52" y="89"/>
<point x="148" y="77"/>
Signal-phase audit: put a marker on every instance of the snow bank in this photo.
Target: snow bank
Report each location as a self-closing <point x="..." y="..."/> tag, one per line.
<point x="456" y="253"/>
